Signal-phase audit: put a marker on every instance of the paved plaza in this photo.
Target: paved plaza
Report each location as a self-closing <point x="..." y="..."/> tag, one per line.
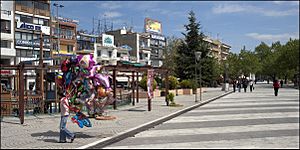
<point x="43" y="131"/>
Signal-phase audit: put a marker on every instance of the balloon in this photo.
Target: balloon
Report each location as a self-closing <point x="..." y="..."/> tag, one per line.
<point x="84" y="83"/>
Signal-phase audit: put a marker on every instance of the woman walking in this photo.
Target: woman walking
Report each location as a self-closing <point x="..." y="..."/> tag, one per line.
<point x="276" y="87"/>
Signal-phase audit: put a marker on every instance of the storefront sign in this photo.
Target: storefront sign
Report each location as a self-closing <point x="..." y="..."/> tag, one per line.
<point x="30" y="43"/>
<point x="107" y="40"/>
<point x="28" y="26"/>
<point x="5" y="72"/>
<point x="157" y="37"/>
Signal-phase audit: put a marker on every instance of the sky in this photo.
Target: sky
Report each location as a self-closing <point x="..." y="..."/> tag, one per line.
<point x="236" y="23"/>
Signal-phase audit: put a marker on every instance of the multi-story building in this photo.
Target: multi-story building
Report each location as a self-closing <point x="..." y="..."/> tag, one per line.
<point x="64" y="32"/>
<point x="85" y="43"/>
<point x="107" y="53"/>
<point x="157" y="41"/>
<point x="157" y="44"/>
<point x="8" y="51"/>
<point x="32" y="19"/>
<point x="138" y="44"/>
<point x="218" y="49"/>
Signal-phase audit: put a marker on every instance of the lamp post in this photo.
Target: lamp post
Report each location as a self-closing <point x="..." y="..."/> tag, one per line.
<point x="58" y="26"/>
<point x="197" y="58"/>
<point x="225" y="77"/>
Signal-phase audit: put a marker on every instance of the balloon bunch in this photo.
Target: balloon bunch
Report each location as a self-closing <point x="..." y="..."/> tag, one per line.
<point x="85" y="84"/>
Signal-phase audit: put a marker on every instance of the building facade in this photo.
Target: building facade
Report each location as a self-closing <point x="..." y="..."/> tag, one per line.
<point x="8" y="52"/>
<point x="138" y="44"/>
<point x="64" y="33"/>
<point x="106" y="52"/>
<point x="32" y="20"/>
<point x="157" y="43"/>
<point x="218" y="49"/>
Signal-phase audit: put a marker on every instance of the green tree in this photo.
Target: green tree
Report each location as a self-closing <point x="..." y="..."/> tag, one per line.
<point x="193" y="42"/>
<point x="170" y="54"/>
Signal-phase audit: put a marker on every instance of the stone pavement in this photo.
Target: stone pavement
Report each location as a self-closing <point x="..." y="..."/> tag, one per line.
<point x="43" y="131"/>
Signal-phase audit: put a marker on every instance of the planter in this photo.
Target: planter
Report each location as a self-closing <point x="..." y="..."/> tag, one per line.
<point x="187" y="91"/>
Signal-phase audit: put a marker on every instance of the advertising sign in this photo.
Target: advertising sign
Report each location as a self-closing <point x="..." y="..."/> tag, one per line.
<point x="28" y="26"/>
<point x="107" y="40"/>
<point x="150" y="77"/>
<point x="157" y="37"/>
<point x="152" y="26"/>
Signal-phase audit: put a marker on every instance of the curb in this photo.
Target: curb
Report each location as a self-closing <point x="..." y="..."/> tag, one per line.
<point x="131" y="132"/>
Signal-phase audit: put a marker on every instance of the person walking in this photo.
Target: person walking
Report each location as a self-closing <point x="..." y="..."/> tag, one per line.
<point x="64" y="132"/>
<point x="281" y="83"/>
<point x="234" y="85"/>
<point x="251" y="85"/>
<point x="245" y="85"/>
<point x="276" y="87"/>
<point x="239" y="86"/>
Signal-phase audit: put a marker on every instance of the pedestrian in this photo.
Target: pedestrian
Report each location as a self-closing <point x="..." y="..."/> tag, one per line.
<point x="239" y="86"/>
<point x="64" y="132"/>
<point x="251" y="85"/>
<point x="234" y="85"/>
<point x="276" y="87"/>
<point x="245" y="85"/>
<point x="281" y="83"/>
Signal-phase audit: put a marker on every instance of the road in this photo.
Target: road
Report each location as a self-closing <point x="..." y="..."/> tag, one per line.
<point x="239" y="120"/>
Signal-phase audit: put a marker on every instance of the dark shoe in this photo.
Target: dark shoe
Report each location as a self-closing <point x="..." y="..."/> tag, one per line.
<point x="73" y="139"/>
<point x="62" y="141"/>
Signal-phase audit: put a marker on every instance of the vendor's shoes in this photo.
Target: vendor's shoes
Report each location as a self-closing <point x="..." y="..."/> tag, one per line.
<point x="73" y="139"/>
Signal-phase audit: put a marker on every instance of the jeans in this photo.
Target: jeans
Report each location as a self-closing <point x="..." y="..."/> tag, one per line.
<point x="64" y="132"/>
<point x="276" y="91"/>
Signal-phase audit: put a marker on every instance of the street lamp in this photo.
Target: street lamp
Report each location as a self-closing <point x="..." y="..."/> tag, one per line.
<point x="226" y="85"/>
<point x="197" y="58"/>
<point x="58" y="26"/>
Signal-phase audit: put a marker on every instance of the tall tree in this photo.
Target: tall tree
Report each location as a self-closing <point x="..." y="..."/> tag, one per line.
<point x="170" y="54"/>
<point x="193" y="42"/>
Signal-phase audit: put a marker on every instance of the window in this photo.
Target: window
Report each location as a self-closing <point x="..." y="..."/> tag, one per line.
<point x="70" y="48"/>
<point x="23" y="53"/>
<point x="46" y="54"/>
<point x="36" y="20"/>
<point x="5" y="44"/>
<point x="46" y="22"/>
<point x="17" y="35"/>
<point x="24" y="36"/>
<point x="109" y="53"/>
<point x="98" y="53"/>
<point x="27" y="19"/>
<point x="118" y="55"/>
<point x="42" y="6"/>
<point x="5" y="26"/>
<point x="29" y="53"/>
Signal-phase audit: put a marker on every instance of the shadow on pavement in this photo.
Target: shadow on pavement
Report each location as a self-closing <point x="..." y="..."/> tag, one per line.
<point x="48" y="136"/>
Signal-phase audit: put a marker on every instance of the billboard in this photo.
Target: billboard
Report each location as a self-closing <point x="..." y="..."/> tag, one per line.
<point x="152" y="26"/>
<point x="107" y="40"/>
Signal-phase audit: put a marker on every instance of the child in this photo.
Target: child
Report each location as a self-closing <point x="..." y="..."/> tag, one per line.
<point x="64" y="132"/>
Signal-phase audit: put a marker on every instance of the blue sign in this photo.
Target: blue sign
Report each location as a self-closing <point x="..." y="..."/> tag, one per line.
<point x="28" y="26"/>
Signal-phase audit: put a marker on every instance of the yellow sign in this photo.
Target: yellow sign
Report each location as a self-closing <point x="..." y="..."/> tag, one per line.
<point x="152" y="25"/>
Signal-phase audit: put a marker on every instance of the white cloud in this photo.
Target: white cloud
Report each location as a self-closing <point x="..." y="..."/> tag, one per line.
<point x="110" y="5"/>
<point x="112" y="14"/>
<point x="273" y="37"/>
<point x="224" y="8"/>
<point x="286" y="2"/>
<point x="238" y="8"/>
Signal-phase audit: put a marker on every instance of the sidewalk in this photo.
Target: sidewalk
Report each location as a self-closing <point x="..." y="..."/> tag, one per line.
<point x="43" y="131"/>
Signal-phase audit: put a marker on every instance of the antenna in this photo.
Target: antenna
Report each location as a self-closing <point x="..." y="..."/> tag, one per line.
<point x="93" y="26"/>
